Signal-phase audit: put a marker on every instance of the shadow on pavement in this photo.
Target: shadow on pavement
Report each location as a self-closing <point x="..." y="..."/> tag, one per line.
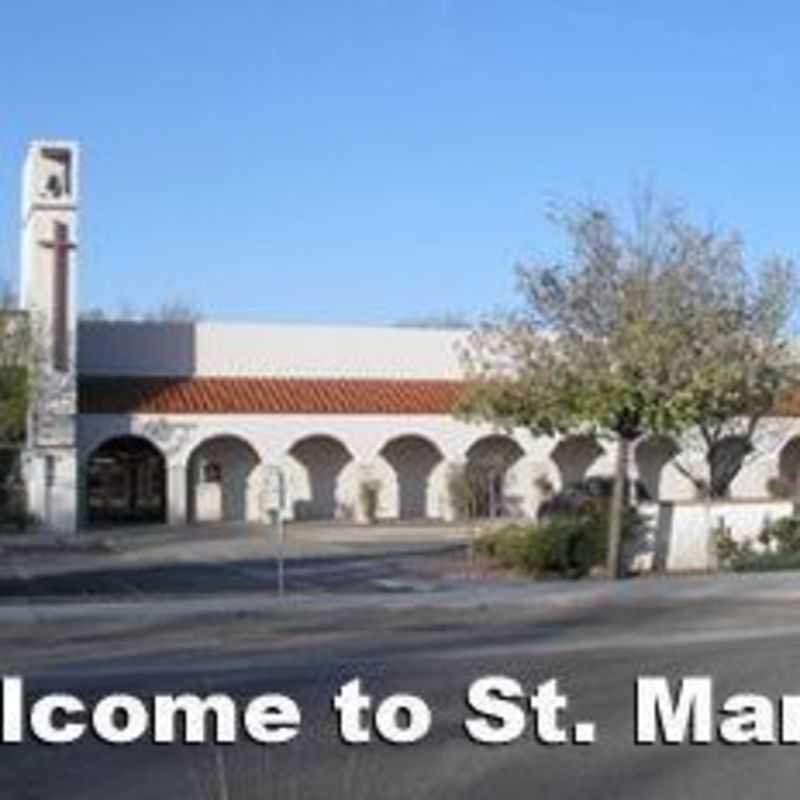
<point x="318" y="574"/>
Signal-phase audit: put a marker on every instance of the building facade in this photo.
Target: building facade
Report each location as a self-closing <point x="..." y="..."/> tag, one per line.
<point x="192" y="422"/>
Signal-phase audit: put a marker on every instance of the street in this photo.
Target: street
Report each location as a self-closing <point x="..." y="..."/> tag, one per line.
<point x="745" y="635"/>
<point x="158" y="560"/>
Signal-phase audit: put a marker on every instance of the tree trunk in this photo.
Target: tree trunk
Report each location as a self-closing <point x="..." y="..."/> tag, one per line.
<point x="617" y="509"/>
<point x="796" y="495"/>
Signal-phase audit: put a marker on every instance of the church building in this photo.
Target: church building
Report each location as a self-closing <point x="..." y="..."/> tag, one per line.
<point x="178" y="422"/>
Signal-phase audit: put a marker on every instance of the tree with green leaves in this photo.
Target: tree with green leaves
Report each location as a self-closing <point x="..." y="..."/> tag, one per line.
<point x="19" y="364"/>
<point x="651" y="327"/>
<point x="19" y="359"/>
<point x="738" y="361"/>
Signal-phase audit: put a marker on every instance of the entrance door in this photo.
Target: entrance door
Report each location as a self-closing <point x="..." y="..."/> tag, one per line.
<point x="126" y="479"/>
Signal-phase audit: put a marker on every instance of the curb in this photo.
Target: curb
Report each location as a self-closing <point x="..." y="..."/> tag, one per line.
<point x="540" y="597"/>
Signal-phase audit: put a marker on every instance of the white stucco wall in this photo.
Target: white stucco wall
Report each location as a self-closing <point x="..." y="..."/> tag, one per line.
<point x="214" y="348"/>
<point x="236" y="495"/>
<point x="53" y="489"/>
<point x="680" y="537"/>
<point x="278" y="439"/>
<point x="293" y="441"/>
<point x="50" y="458"/>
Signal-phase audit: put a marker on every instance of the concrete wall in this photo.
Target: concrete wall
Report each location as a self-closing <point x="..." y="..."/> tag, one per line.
<point x="212" y="348"/>
<point x="680" y="537"/>
<point x="50" y="458"/>
<point x="327" y="457"/>
<point x="236" y="495"/>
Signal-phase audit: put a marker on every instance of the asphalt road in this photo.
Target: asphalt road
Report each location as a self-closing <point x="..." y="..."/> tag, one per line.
<point x="230" y="559"/>
<point x="360" y="573"/>
<point x="434" y="652"/>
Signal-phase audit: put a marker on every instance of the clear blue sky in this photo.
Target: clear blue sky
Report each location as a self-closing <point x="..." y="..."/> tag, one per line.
<point x="371" y="161"/>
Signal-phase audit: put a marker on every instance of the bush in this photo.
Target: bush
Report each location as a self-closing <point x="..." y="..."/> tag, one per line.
<point x="564" y="545"/>
<point x="766" y="562"/>
<point x="586" y="496"/>
<point x="782" y="536"/>
<point x="780" y="540"/>
<point x="13" y="493"/>
<point x="730" y="553"/>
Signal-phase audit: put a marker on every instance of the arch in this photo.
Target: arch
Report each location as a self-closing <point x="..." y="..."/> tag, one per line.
<point x="126" y="482"/>
<point x="489" y="462"/>
<point x="413" y="458"/>
<point x="652" y="456"/>
<point x="322" y="460"/>
<point x="726" y="459"/>
<point x="789" y="465"/>
<point x="222" y="480"/>
<point x="574" y="456"/>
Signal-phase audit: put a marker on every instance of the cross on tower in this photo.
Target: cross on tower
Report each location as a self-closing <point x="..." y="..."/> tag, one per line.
<point x="59" y="298"/>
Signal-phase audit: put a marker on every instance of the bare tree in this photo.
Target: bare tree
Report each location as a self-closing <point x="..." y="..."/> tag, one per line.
<point x="446" y="320"/>
<point x="172" y="310"/>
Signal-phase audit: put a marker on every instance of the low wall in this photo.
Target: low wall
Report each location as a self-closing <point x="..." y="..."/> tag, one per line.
<point x="679" y="537"/>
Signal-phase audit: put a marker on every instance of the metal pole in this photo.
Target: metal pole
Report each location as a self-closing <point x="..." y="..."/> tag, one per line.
<point x="281" y="536"/>
<point x="275" y="502"/>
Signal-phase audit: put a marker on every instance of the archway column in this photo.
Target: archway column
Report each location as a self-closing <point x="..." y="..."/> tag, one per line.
<point x="177" y="494"/>
<point x="494" y="464"/>
<point x="411" y="473"/>
<point x="365" y="471"/>
<point x="455" y="465"/>
<point x="221" y="481"/>
<point x="322" y="478"/>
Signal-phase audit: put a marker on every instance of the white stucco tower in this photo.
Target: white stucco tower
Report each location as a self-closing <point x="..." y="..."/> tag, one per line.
<point x="48" y="293"/>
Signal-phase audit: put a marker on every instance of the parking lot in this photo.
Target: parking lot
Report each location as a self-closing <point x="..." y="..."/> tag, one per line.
<point x="233" y="558"/>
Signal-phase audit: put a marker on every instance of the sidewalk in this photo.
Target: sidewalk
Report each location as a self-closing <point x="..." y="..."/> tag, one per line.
<point x="772" y="587"/>
<point x="305" y="534"/>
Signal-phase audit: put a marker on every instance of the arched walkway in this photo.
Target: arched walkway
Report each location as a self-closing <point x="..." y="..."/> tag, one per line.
<point x="789" y="466"/>
<point x="726" y="459"/>
<point x="223" y="481"/>
<point x="126" y="482"/>
<point x="489" y="462"/>
<point x="413" y="460"/>
<point x="652" y="456"/>
<point x="322" y="460"/>
<point x="574" y="456"/>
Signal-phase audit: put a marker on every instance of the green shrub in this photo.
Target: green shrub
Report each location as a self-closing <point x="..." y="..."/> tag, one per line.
<point x="504" y="545"/>
<point x="766" y="562"/>
<point x="782" y="536"/>
<point x="564" y="545"/>
<point x="730" y="553"/>
<point x="780" y="540"/>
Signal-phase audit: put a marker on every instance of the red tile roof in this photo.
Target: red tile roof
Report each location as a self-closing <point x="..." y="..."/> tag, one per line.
<point x="247" y="395"/>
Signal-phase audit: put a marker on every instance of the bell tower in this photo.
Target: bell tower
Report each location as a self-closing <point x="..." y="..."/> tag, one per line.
<point x="48" y="294"/>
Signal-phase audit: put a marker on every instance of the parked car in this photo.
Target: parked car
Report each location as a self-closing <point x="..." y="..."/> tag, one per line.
<point x="576" y="498"/>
